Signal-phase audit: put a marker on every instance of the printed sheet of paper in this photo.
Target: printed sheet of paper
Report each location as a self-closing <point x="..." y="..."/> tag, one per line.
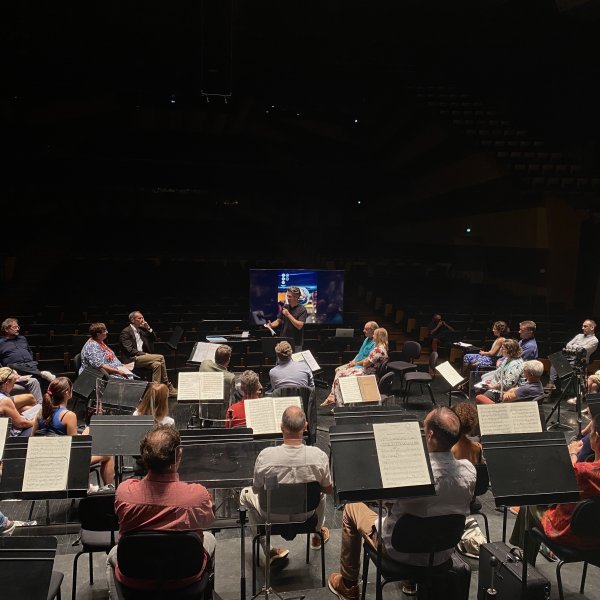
<point x="350" y="390"/>
<point x="368" y="388"/>
<point x="263" y="415"/>
<point x="200" y="386"/>
<point x="204" y="351"/>
<point x="47" y="464"/>
<point x="280" y="404"/>
<point x="3" y="430"/>
<point x="509" y="417"/>
<point x="307" y="356"/>
<point x="449" y="373"/>
<point x="401" y="454"/>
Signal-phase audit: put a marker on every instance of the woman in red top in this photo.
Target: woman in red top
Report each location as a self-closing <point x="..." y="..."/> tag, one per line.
<point x="251" y="388"/>
<point x="555" y="520"/>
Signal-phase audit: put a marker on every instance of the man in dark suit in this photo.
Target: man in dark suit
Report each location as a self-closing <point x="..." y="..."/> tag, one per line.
<point x="137" y="345"/>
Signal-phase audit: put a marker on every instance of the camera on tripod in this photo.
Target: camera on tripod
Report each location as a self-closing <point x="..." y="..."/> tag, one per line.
<point x="576" y="354"/>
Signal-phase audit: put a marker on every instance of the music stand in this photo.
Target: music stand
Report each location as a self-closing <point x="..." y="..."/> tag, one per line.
<point x="358" y="475"/>
<point x="357" y="413"/>
<point x="85" y="384"/>
<point x="530" y="469"/>
<point x="175" y="337"/>
<point x="123" y="393"/>
<point x="563" y="369"/>
<point x="453" y="378"/>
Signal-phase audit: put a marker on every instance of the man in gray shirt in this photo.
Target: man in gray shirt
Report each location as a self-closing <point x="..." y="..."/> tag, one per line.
<point x="289" y="372"/>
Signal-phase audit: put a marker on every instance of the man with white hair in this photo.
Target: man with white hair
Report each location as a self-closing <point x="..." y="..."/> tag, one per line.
<point x="531" y="388"/>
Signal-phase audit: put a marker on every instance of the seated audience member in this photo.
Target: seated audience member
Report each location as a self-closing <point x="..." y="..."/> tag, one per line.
<point x="555" y="520"/>
<point x="368" y="366"/>
<point x="527" y="342"/>
<point x="21" y="409"/>
<point x="161" y="502"/>
<point x="531" y="388"/>
<point x="289" y="372"/>
<point x="487" y="358"/>
<point x="7" y="527"/>
<point x="586" y="340"/>
<point x="454" y="485"/>
<point x="593" y="383"/>
<point x="155" y="402"/>
<point x="506" y="376"/>
<point x="96" y="354"/>
<point x="291" y="462"/>
<point x="137" y="345"/>
<point x="16" y="353"/>
<point x="220" y="365"/>
<point x="439" y="331"/>
<point x="365" y="349"/>
<point x="466" y="448"/>
<point x="250" y="388"/>
<point x="57" y="419"/>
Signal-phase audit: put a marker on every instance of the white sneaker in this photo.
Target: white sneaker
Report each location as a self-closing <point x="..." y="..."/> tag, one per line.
<point x="48" y="376"/>
<point x="92" y="488"/>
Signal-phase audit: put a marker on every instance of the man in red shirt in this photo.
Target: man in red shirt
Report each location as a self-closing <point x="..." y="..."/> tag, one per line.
<point x="161" y="502"/>
<point x="555" y="520"/>
<point x="251" y="388"/>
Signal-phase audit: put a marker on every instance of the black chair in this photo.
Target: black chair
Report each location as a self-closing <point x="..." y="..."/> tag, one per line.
<point x="421" y="378"/>
<point x="384" y="385"/>
<point x="159" y="557"/>
<point x="482" y="485"/>
<point x="412" y="535"/>
<point x="308" y="406"/>
<point x="410" y="350"/>
<point x="294" y="498"/>
<point x="26" y="568"/>
<point x="585" y="523"/>
<point x="99" y="530"/>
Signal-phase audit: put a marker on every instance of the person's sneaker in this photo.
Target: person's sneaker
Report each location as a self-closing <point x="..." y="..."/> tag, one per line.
<point x="48" y="376"/>
<point x="572" y="401"/>
<point x="172" y="389"/>
<point x="277" y="554"/>
<point x="514" y="510"/>
<point x="315" y="540"/>
<point x="8" y="529"/>
<point x="409" y="588"/>
<point x="93" y="488"/>
<point x="338" y="587"/>
<point x="547" y="553"/>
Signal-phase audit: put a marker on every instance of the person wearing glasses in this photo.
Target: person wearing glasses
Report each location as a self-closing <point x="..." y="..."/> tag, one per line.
<point x="20" y="409"/>
<point x="96" y="354"/>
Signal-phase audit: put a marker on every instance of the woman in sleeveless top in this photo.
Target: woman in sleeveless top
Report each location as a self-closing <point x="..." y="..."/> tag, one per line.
<point x="486" y="358"/>
<point x="57" y="419"/>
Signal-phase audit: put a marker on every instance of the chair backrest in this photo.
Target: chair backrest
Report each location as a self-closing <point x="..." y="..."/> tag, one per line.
<point x="97" y="513"/>
<point x="160" y="555"/>
<point x="294" y="390"/>
<point x="585" y="521"/>
<point x="427" y="534"/>
<point x="412" y="350"/>
<point x="385" y="383"/>
<point x="292" y="498"/>
<point x="26" y="566"/>
<point x="482" y="482"/>
<point x="381" y="369"/>
<point x="77" y="363"/>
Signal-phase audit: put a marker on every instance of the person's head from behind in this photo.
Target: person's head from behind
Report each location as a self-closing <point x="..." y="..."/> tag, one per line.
<point x="533" y="370"/>
<point x="223" y="355"/>
<point x="155" y="401"/>
<point x="511" y="349"/>
<point x="59" y="392"/>
<point x="98" y="331"/>
<point x="467" y="415"/>
<point x="380" y="335"/>
<point x="527" y="329"/>
<point x="369" y="329"/>
<point x="283" y="350"/>
<point x="500" y="328"/>
<point x="293" y="423"/>
<point x="10" y="327"/>
<point x="250" y="385"/>
<point x="293" y="295"/>
<point x="442" y="429"/>
<point x="8" y="378"/>
<point x="160" y="449"/>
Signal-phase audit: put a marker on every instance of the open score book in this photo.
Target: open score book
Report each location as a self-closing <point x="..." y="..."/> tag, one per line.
<point x="359" y="389"/>
<point x="263" y="415"/>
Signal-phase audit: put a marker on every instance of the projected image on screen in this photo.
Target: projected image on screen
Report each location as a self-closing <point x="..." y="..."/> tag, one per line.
<point x="321" y="293"/>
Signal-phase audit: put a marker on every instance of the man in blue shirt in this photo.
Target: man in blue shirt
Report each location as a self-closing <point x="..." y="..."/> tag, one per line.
<point x="527" y="341"/>
<point x="367" y="345"/>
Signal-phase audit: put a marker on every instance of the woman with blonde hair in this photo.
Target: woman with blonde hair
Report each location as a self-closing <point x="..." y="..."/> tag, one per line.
<point x="367" y="366"/>
<point x="155" y="402"/>
<point x="57" y="419"/>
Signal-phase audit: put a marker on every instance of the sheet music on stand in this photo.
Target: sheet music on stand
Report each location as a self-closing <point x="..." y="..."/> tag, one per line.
<point x="307" y="356"/>
<point x="263" y="415"/>
<point x="203" y="351"/>
<point x="196" y="386"/>
<point x="452" y="377"/>
<point x="509" y="417"/>
<point x="359" y="389"/>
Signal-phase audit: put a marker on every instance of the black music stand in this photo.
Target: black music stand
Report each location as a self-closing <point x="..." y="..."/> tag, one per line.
<point x="123" y="394"/>
<point x="85" y="385"/>
<point x="26" y="566"/>
<point x="358" y="477"/>
<point x="529" y="469"/>
<point x="563" y="369"/>
<point x="118" y="435"/>
<point x="357" y="413"/>
<point x="453" y="378"/>
<point x="175" y="337"/>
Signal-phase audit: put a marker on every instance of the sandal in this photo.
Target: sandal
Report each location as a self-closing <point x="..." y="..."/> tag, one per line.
<point x="328" y="401"/>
